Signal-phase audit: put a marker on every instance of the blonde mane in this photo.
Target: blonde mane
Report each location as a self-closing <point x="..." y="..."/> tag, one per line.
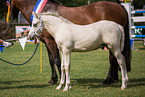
<point x="55" y="14"/>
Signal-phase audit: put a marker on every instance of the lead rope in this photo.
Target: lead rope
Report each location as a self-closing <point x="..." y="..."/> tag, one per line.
<point x="24" y="62"/>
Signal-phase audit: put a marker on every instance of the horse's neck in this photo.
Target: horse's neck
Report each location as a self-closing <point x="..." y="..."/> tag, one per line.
<point x="26" y="7"/>
<point x="53" y="24"/>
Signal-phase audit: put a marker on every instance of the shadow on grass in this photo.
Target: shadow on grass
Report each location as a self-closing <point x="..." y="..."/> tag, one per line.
<point x="136" y="82"/>
<point x="21" y="86"/>
<point x="141" y="48"/>
<point x="12" y="82"/>
<point x="91" y="82"/>
<point x="97" y="83"/>
<point x="25" y="86"/>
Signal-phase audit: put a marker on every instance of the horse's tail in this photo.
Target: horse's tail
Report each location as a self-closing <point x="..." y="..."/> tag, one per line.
<point x="122" y="37"/>
<point x="127" y="49"/>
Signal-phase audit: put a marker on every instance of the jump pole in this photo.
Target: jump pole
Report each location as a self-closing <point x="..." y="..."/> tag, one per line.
<point x="41" y="57"/>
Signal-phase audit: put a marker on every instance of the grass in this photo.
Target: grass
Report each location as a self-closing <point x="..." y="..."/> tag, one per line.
<point x="88" y="71"/>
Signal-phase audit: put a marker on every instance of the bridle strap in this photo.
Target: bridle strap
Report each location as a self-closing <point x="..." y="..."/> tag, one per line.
<point x="40" y="28"/>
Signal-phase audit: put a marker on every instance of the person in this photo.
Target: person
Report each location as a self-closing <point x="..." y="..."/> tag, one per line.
<point x="5" y="44"/>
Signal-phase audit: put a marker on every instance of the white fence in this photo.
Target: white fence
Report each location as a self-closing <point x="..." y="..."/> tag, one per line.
<point x="134" y="19"/>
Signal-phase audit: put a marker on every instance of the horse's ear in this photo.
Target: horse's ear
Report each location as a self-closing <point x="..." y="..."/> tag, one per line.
<point x="35" y="15"/>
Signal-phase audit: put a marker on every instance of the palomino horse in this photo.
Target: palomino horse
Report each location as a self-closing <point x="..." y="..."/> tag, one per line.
<point x="87" y="14"/>
<point x="72" y="37"/>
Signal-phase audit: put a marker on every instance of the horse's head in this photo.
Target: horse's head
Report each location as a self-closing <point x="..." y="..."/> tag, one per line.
<point x="37" y="26"/>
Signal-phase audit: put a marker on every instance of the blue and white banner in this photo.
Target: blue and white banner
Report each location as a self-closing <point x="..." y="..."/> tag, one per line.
<point x="38" y="7"/>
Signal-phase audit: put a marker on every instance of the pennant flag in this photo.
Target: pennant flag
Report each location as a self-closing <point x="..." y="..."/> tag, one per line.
<point x="38" y="7"/>
<point x="23" y="42"/>
<point x="1" y="48"/>
<point x="35" y="40"/>
<point x="8" y="3"/>
<point x="8" y="13"/>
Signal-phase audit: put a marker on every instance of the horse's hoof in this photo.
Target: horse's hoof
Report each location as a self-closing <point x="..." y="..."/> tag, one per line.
<point x="123" y="88"/>
<point x="107" y="82"/>
<point x="64" y="90"/>
<point x="67" y="88"/>
<point x="57" y="89"/>
<point x="51" y="82"/>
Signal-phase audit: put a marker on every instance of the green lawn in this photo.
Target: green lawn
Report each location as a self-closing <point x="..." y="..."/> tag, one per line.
<point x="88" y="71"/>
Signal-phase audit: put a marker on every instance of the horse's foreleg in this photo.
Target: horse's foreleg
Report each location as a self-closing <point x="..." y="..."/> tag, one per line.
<point x="113" y="71"/>
<point x="54" y="58"/>
<point x="67" y="70"/>
<point x="54" y="77"/>
<point x="62" y="73"/>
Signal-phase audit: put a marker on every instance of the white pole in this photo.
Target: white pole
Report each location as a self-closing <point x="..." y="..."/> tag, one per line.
<point x="88" y="1"/>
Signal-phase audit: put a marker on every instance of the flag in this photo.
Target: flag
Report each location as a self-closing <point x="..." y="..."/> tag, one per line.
<point x="23" y="42"/>
<point x="8" y="3"/>
<point x="35" y="40"/>
<point x="1" y="48"/>
<point x="8" y="13"/>
<point x="38" y="7"/>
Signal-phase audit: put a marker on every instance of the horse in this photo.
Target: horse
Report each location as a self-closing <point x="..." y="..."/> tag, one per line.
<point x="71" y="37"/>
<point x="87" y="14"/>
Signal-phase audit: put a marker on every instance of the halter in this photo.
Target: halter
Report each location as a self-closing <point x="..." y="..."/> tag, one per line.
<point x="39" y="28"/>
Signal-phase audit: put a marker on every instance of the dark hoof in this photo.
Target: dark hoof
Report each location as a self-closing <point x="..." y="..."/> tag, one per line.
<point x="107" y="82"/>
<point x="51" y="82"/>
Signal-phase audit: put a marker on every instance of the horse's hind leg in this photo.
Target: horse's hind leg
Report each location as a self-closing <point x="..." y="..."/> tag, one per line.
<point x="113" y="71"/>
<point x="121" y="61"/>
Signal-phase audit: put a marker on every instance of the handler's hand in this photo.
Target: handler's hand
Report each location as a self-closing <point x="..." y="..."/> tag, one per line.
<point x="7" y="44"/>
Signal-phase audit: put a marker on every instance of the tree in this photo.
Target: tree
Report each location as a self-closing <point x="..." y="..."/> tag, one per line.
<point x="3" y="9"/>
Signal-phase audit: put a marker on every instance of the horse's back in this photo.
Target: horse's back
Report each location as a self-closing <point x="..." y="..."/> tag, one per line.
<point x="102" y="10"/>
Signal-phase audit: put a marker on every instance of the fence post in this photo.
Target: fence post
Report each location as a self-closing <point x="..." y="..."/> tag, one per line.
<point x="128" y="8"/>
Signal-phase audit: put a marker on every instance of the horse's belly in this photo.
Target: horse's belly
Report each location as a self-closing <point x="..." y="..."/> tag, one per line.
<point x="84" y="49"/>
<point x="86" y="46"/>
